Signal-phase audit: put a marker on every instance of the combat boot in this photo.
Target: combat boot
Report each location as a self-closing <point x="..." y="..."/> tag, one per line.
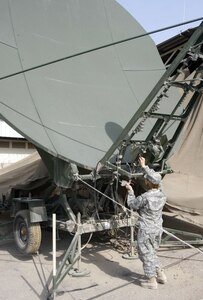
<point x="161" y="277"/>
<point x="150" y="283"/>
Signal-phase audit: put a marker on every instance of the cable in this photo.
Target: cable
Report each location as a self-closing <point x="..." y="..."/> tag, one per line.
<point x="126" y="209"/>
<point x="99" y="48"/>
<point x="87" y="241"/>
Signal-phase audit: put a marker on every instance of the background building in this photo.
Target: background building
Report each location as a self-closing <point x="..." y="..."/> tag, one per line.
<point x="13" y="146"/>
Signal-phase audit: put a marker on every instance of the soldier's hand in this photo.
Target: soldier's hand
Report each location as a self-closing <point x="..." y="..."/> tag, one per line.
<point x="142" y="161"/>
<point x="127" y="185"/>
<point x="124" y="183"/>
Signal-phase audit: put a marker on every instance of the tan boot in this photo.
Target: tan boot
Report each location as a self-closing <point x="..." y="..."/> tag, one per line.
<point x="161" y="277"/>
<point x="150" y="283"/>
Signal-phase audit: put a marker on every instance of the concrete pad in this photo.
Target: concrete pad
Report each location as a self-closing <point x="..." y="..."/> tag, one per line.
<point x="111" y="276"/>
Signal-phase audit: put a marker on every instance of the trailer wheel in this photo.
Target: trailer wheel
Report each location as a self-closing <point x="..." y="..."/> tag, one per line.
<point x="27" y="235"/>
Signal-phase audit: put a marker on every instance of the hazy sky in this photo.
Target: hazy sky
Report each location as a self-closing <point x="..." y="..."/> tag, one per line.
<point x="156" y="14"/>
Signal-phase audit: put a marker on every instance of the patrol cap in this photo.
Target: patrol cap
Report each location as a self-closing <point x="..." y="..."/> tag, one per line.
<point x="154" y="178"/>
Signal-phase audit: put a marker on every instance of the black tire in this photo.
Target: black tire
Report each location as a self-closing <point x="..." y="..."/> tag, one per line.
<point x="27" y="235"/>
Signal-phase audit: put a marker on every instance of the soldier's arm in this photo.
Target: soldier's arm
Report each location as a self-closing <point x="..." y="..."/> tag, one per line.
<point x="150" y="174"/>
<point x="134" y="202"/>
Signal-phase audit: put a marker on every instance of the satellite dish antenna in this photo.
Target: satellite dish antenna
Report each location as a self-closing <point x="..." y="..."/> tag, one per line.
<point x="61" y="85"/>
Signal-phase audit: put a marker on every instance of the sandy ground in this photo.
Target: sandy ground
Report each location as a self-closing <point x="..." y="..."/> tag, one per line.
<point x="111" y="276"/>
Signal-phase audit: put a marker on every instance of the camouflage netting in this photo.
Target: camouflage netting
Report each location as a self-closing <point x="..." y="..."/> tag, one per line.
<point x="184" y="188"/>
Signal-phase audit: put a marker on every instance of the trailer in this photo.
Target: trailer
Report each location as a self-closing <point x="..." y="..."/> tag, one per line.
<point x="84" y="83"/>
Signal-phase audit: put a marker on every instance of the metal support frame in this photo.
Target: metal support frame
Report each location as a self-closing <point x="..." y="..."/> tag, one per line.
<point x="105" y="161"/>
<point x="73" y="253"/>
<point x="195" y="239"/>
<point x="131" y="254"/>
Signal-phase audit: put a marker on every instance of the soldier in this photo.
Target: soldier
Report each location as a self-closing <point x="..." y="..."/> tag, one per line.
<point x="149" y="206"/>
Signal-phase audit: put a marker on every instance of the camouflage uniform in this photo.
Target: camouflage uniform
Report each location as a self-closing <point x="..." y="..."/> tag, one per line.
<point x="149" y="206"/>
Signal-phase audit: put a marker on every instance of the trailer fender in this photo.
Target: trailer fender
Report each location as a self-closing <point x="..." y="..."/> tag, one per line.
<point x="37" y="211"/>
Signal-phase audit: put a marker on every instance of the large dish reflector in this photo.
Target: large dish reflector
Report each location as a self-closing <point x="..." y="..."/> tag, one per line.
<point x="73" y="108"/>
